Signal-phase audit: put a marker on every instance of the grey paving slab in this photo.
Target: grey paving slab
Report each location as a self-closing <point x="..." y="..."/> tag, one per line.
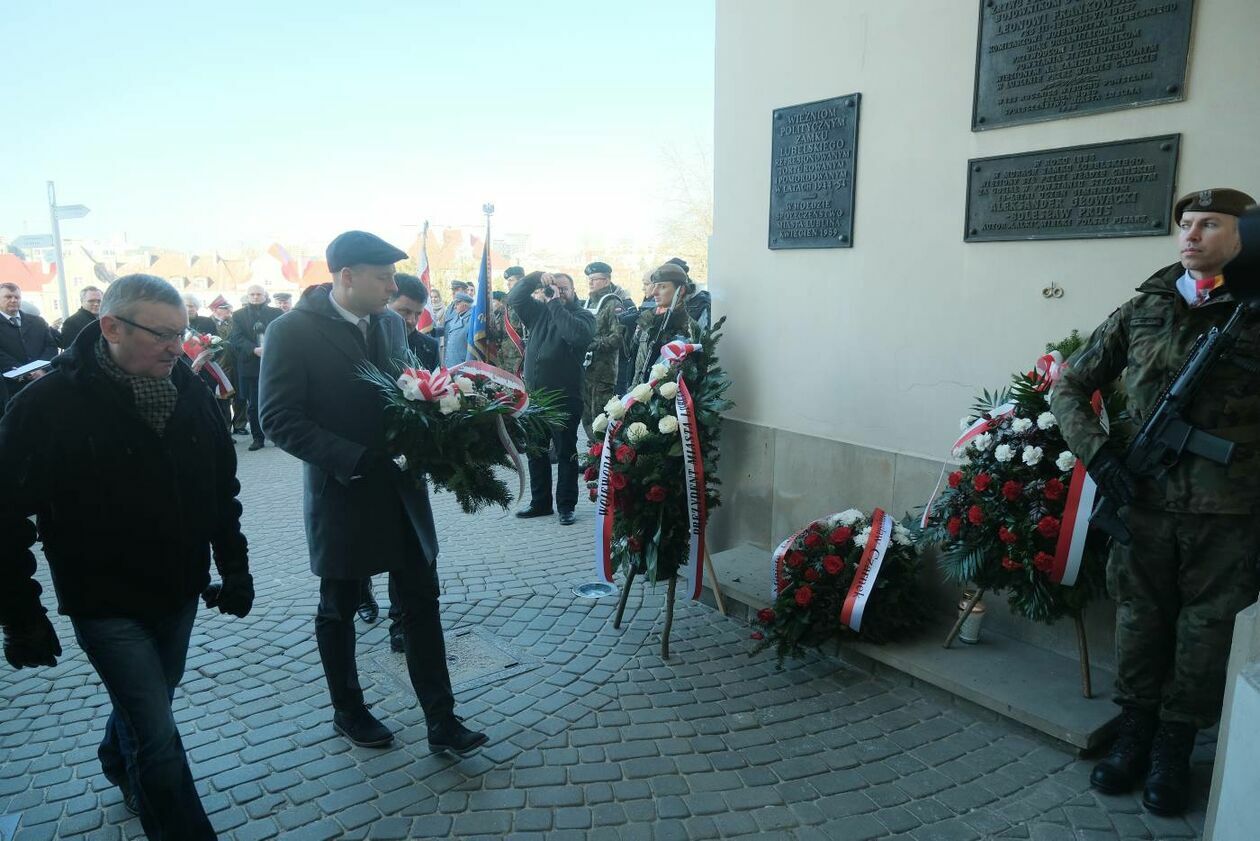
<point x="598" y="739"/>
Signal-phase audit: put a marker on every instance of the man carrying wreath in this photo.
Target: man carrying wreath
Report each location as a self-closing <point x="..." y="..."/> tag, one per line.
<point x="363" y="516"/>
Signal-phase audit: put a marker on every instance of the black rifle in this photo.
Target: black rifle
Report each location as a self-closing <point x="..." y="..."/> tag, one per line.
<point x="1166" y="434"/>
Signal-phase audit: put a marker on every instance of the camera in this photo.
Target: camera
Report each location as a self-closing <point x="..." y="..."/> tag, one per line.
<point x="549" y="292"/>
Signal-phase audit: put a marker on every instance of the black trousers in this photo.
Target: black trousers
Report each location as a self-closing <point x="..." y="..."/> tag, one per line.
<point x="395" y="606"/>
<point x="564" y="439"/>
<point x="415" y="589"/>
<point x="249" y="385"/>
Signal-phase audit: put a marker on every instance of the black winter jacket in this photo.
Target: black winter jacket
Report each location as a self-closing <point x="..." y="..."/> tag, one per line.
<point x="559" y="334"/>
<point x="127" y="518"/>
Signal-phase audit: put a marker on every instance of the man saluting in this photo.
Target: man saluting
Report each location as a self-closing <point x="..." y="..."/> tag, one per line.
<point x="363" y="516"/>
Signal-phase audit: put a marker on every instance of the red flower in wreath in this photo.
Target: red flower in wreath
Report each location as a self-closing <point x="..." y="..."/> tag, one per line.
<point x="590" y="474"/>
<point x="954" y="526"/>
<point x="975" y="515"/>
<point x="618" y="480"/>
<point x="1053" y="490"/>
<point x="812" y="574"/>
<point x="1011" y="490"/>
<point x="793" y="559"/>
<point x="655" y="494"/>
<point x="804" y="595"/>
<point x="833" y="564"/>
<point x="955" y="479"/>
<point x="1048" y="527"/>
<point x="757" y="635"/>
<point x="1044" y="561"/>
<point x="1006" y="535"/>
<point x="765" y="615"/>
<point x="625" y="454"/>
<point x="597" y="450"/>
<point x="813" y="540"/>
<point x="981" y="482"/>
<point x="840" y="535"/>
<point x="1007" y="563"/>
<point x="634" y="544"/>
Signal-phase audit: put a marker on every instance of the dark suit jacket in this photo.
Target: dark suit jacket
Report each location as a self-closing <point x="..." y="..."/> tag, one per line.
<point x="34" y="340"/>
<point x="315" y="406"/>
<point x="248" y="325"/>
<point x="72" y="326"/>
<point x="425" y="347"/>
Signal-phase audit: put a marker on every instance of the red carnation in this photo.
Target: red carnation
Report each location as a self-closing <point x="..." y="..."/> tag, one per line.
<point x="833" y="564"/>
<point x="655" y="494"/>
<point x="804" y="595"/>
<point x="1007" y="563"/>
<point x="812" y="574"/>
<point x="975" y="515"/>
<point x="765" y="615"/>
<point x="955" y="478"/>
<point x="757" y="635"/>
<point x="634" y="544"/>
<point x="618" y="480"/>
<point x="590" y="474"/>
<point x="1044" y="561"/>
<point x="625" y="454"/>
<point x="813" y="540"/>
<point x="954" y="526"/>
<point x="1048" y="527"/>
<point x="597" y="450"/>
<point x="793" y="559"/>
<point x="840" y="535"/>
<point x="1011" y="490"/>
<point x="1054" y="490"/>
<point x="1006" y="535"/>
<point x="982" y="482"/>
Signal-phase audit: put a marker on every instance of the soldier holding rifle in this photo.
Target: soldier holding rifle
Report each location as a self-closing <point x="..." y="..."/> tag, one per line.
<point x="1187" y="492"/>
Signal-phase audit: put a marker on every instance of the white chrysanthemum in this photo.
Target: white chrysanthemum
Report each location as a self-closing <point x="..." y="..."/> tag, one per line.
<point x="957" y="453"/>
<point x="1066" y="461"/>
<point x="965" y="423"/>
<point x="1032" y="456"/>
<point x="1021" y="425"/>
<point x="1003" y="452"/>
<point x="409" y="386"/>
<point x="849" y="517"/>
<point x="668" y="425"/>
<point x="658" y="371"/>
<point x="615" y="408"/>
<point x="637" y="432"/>
<point x="901" y="535"/>
<point x="668" y="390"/>
<point x="641" y="392"/>
<point x="1046" y="420"/>
<point x="464" y="385"/>
<point x="600" y="423"/>
<point x="449" y="403"/>
<point x="982" y="441"/>
<point x="863" y="536"/>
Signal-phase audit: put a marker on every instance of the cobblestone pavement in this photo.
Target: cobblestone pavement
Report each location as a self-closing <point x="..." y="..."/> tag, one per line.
<point x="599" y="739"/>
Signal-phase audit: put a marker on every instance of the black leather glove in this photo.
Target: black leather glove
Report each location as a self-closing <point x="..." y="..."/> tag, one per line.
<point x="235" y="595"/>
<point x="32" y="644"/>
<point x="1116" y="481"/>
<point x="373" y="463"/>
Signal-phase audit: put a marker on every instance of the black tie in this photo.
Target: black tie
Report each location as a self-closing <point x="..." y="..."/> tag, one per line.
<point x="13" y="319"/>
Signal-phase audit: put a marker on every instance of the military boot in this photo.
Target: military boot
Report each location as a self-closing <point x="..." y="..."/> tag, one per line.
<point x="1119" y="771"/>
<point x="1167" y="790"/>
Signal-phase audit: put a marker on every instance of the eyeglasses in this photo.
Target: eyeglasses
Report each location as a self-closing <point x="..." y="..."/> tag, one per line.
<point x="162" y="337"/>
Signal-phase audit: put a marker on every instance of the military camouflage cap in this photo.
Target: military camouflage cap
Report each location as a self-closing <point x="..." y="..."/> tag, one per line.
<point x="1216" y="200"/>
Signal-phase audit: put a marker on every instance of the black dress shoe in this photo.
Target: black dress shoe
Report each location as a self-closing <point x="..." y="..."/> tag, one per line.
<point x="1167" y="791"/>
<point x="362" y="728"/>
<point x="369" y="610"/>
<point x="567" y="518"/>
<point x="531" y="511"/>
<point x="241" y="431"/>
<point x="130" y="799"/>
<point x="451" y="735"/>
<point x="396" y="643"/>
<point x="255" y="445"/>
<point x="1119" y="771"/>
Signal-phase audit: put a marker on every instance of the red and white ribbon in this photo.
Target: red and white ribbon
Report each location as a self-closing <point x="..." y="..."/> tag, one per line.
<point x="1074" y="526"/>
<point x="432" y="385"/>
<point x="978" y="427"/>
<point x="778" y="566"/>
<point x="514" y="385"/>
<point x="678" y="350"/>
<point x="693" y="463"/>
<point x="222" y="385"/>
<point x="868" y="570"/>
<point x="1047" y="371"/>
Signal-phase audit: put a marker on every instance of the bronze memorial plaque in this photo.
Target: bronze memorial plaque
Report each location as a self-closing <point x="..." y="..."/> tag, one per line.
<point x="1121" y="189"/>
<point x="813" y="160"/>
<point x="1047" y="59"/>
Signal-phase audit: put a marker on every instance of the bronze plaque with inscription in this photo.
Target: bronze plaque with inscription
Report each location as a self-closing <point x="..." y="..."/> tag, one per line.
<point x="813" y="161"/>
<point x="1047" y="59"/>
<point x="1122" y="189"/>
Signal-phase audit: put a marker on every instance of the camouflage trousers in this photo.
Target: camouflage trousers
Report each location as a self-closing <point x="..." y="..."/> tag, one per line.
<point x="596" y="392"/>
<point x="1177" y="588"/>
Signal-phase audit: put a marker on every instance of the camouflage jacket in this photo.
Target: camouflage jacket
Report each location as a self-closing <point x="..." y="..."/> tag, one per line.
<point x="1145" y="342"/>
<point x="650" y="338"/>
<point x="509" y="357"/>
<point x="605" y="348"/>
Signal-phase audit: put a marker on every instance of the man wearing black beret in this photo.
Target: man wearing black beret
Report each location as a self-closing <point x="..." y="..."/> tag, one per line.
<point x="607" y="302"/>
<point x="363" y="516"/>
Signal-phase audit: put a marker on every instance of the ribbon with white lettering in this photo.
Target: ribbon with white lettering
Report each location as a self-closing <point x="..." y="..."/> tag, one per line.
<point x="693" y="463"/>
<point x="778" y="569"/>
<point x="868" y="570"/>
<point x="1074" y="527"/>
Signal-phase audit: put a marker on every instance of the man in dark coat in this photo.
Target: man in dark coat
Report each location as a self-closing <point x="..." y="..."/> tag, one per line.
<point x="363" y="516"/>
<point x="89" y="307"/>
<point x="119" y="411"/>
<point x="24" y="338"/>
<point x="560" y="330"/>
<point x="249" y="323"/>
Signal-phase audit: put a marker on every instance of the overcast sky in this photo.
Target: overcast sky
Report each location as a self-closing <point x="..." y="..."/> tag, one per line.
<point x="201" y="125"/>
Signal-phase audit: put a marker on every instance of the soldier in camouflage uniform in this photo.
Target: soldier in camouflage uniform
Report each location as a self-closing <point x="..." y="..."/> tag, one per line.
<point x="607" y="302"/>
<point x="1191" y="565"/>
<point x="510" y="357"/>
<point x="668" y="321"/>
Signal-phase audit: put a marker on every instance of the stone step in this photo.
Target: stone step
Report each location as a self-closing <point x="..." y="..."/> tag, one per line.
<point x="1034" y="686"/>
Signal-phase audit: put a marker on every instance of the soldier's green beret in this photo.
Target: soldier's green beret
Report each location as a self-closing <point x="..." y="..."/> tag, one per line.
<point x="671" y="273"/>
<point x="1216" y="200"/>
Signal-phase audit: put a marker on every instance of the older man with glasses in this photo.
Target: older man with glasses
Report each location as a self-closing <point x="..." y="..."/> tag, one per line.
<point x="120" y="411"/>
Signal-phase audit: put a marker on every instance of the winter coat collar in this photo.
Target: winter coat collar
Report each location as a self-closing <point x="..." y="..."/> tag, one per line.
<point x="1164" y="284"/>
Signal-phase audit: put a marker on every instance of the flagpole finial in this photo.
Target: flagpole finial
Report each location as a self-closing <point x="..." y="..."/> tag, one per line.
<point x="487" y="208"/>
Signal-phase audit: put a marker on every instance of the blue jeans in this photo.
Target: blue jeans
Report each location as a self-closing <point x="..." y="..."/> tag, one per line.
<point x="141" y="661"/>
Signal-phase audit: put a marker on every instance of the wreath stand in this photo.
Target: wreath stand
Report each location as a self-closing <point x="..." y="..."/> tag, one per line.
<point x="669" y="600"/>
<point x="1082" y="644"/>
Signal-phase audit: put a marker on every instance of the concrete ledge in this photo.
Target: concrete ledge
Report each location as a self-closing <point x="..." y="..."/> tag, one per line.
<point x="1025" y="683"/>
